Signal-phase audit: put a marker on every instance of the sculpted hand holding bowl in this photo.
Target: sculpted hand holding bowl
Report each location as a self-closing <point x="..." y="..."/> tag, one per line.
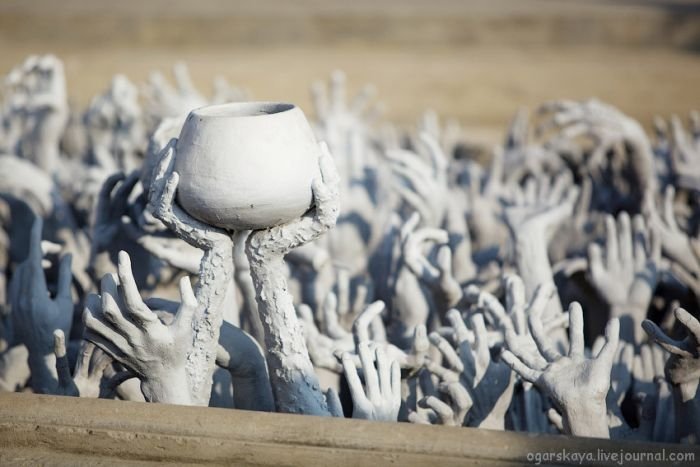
<point x="248" y="166"/>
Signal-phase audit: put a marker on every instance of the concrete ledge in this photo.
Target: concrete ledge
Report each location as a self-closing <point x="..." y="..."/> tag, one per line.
<point x="69" y="431"/>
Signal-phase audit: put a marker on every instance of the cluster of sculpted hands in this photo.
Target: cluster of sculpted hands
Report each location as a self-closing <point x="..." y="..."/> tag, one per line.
<point x="548" y="284"/>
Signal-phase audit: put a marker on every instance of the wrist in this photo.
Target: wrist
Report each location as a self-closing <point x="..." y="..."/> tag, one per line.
<point x="43" y="371"/>
<point x="170" y="387"/>
<point x="586" y="418"/>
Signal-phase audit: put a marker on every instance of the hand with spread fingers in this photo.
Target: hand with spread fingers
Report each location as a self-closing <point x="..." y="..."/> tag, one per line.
<point x="488" y="382"/>
<point x="379" y="398"/>
<point x="35" y="315"/>
<point x="120" y="323"/>
<point x="577" y="385"/>
<point x="626" y="275"/>
<point x="89" y="379"/>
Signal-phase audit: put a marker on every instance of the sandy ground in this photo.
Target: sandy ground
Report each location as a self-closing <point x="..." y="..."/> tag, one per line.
<point x="477" y="63"/>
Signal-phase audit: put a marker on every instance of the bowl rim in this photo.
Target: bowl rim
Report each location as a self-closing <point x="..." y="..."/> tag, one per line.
<point x="246" y="109"/>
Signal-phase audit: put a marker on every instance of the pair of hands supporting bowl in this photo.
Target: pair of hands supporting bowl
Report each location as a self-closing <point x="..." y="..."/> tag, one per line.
<point x="246" y="166"/>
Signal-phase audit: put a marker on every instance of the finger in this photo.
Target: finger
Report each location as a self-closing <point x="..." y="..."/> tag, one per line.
<point x="62" y="364"/>
<point x="105" y="197"/>
<point x="412" y="200"/>
<point x="462" y="334"/>
<point x="556" y="419"/>
<point x="419" y="418"/>
<point x="690" y="322"/>
<point x="487" y="302"/>
<point x="597" y="346"/>
<point x="120" y="200"/>
<point x="584" y="202"/>
<point x="421" y="344"/>
<point x="441" y="372"/>
<point x="436" y="155"/>
<point x="624" y="233"/>
<point x="612" y="340"/>
<point x="369" y="371"/>
<point x="461" y="400"/>
<point x="329" y="172"/>
<point x="362" y="294"/>
<point x="451" y="357"/>
<point x="670" y="345"/>
<point x="395" y="381"/>
<point x="540" y="298"/>
<point x="644" y="364"/>
<point x="444" y="261"/>
<point x="102" y="335"/>
<point x="188" y="306"/>
<point x="330" y="315"/>
<point x="536" y="329"/>
<point x="560" y="321"/>
<point x="83" y="365"/>
<point x="611" y="249"/>
<point x="561" y="183"/>
<point x="686" y="278"/>
<point x="50" y="248"/>
<point x="115" y="381"/>
<point x="362" y="322"/>
<point x="640" y="242"/>
<point x="443" y="411"/>
<point x="130" y="292"/>
<point x="528" y="374"/>
<point x="353" y="379"/>
<point x="383" y="372"/>
<point x="529" y="357"/>
<point x="343" y="288"/>
<point x="577" y="345"/>
<point x="35" y="253"/>
<point x="515" y="302"/>
<point x="162" y="171"/>
<point x="168" y="195"/>
<point x="669" y="216"/>
<point x="377" y="330"/>
<point x="410" y="225"/>
<point x="65" y="277"/>
<point x="481" y="340"/>
<point x="111" y="311"/>
<point x="101" y="361"/>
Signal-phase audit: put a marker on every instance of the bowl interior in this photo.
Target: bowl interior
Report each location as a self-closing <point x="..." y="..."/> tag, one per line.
<point x="243" y="109"/>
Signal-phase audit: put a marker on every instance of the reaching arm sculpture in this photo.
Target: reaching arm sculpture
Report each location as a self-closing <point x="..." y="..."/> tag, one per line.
<point x="294" y="382"/>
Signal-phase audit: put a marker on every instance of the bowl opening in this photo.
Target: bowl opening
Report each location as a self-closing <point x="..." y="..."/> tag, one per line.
<point x="243" y="109"/>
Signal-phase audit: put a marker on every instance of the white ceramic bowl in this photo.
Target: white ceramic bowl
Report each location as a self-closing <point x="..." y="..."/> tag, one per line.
<point x="246" y="165"/>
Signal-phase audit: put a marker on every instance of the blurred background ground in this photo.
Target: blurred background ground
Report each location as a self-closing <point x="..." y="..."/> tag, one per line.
<point x="476" y="61"/>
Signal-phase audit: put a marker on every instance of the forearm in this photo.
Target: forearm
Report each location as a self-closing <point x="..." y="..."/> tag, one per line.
<point x="533" y="265"/>
<point x="216" y="272"/>
<point x="294" y="383"/>
<point x="253" y="393"/>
